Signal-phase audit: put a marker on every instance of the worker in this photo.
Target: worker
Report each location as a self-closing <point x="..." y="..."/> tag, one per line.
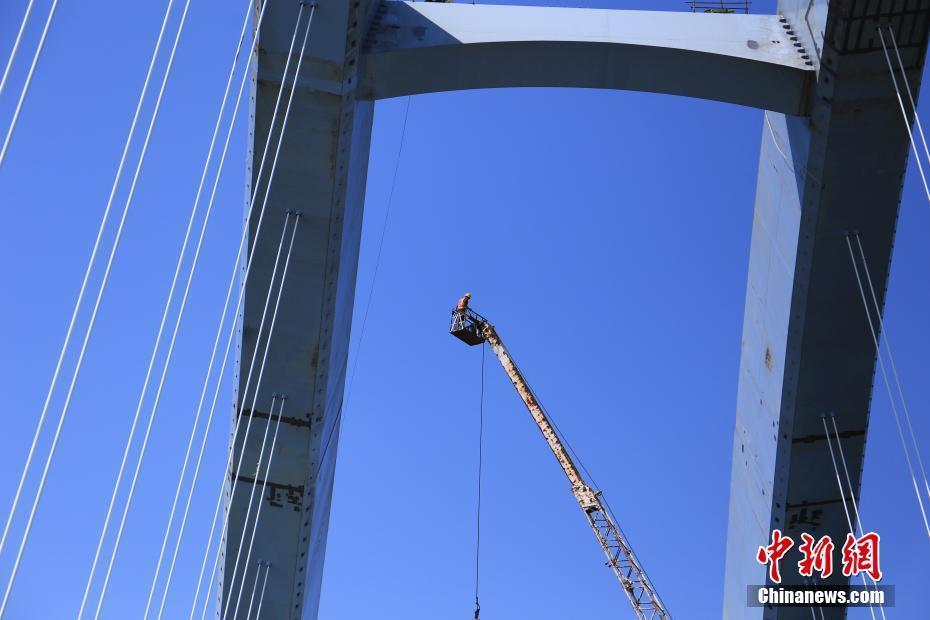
<point x="463" y="303"/>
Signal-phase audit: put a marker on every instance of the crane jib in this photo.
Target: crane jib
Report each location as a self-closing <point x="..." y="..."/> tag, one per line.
<point x="470" y="327"/>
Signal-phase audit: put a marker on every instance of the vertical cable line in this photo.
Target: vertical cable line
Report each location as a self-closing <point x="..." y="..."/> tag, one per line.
<point x="894" y="407"/>
<point x="852" y="496"/>
<point x="261" y="599"/>
<point x="910" y="94"/>
<point x="480" y="466"/>
<point x="907" y="124"/>
<point x="274" y="164"/>
<point x="216" y="342"/>
<point x="258" y="510"/>
<point x="258" y="384"/>
<point x="371" y="288"/>
<point x="836" y="470"/>
<point x="90" y="264"/>
<point x="22" y="95"/>
<point x="239" y="413"/>
<point x="93" y="319"/>
<point x="19" y="38"/>
<point x="894" y="367"/>
<point x="258" y="572"/>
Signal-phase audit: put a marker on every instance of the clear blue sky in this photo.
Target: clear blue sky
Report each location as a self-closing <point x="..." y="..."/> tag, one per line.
<point x="605" y="233"/>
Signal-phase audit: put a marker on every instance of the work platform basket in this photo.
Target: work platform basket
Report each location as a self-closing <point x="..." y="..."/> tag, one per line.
<point x="466" y="326"/>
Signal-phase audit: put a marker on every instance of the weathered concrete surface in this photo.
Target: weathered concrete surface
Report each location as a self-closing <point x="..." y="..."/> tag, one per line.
<point x="419" y="47"/>
<point x="806" y="348"/>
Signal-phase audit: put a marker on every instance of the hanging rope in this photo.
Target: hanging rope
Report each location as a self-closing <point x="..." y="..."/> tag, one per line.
<point x="480" y="467"/>
<point x="22" y="94"/>
<point x="19" y="38"/>
<point x="261" y="372"/>
<point x="371" y="290"/>
<point x="83" y="289"/>
<point x="852" y="529"/>
<point x="894" y="408"/>
<point x="907" y="122"/>
<point x="258" y="511"/>
<point x="894" y="367"/>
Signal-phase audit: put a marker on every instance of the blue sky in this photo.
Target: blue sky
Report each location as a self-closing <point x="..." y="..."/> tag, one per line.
<point x="605" y="233"/>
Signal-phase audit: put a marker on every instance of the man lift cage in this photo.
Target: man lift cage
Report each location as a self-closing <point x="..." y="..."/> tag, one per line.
<point x="466" y="326"/>
<point x="719" y="6"/>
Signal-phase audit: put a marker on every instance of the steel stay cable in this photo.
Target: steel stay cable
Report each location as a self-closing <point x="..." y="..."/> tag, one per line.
<point x="19" y="38"/>
<point x="894" y="367"/>
<point x="258" y="572"/>
<point x="907" y="124"/>
<point x="894" y="408"/>
<point x="852" y="496"/>
<point x="212" y="361"/>
<point x="261" y="372"/>
<point x="836" y="470"/>
<point x="248" y="512"/>
<point x="910" y="94"/>
<point x="171" y="57"/>
<point x="258" y="467"/>
<point x="93" y="317"/>
<point x="190" y="276"/>
<point x="274" y="164"/>
<point x="87" y="272"/>
<point x="239" y="415"/>
<point x="258" y="511"/>
<point x="261" y="599"/>
<point x="22" y="95"/>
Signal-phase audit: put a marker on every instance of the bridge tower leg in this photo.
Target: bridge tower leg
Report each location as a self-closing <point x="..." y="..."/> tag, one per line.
<point x="806" y="346"/>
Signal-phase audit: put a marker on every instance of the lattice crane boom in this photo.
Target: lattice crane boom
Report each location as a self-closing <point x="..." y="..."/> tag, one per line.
<point x="473" y="329"/>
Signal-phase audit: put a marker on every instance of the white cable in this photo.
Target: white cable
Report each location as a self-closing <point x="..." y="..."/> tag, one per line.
<point x="836" y="470"/>
<point x="852" y="494"/>
<point x="894" y="368"/>
<point x="261" y="599"/>
<point x="19" y="38"/>
<point x="894" y="408"/>
<point x="90" y="578"/>
<point x="248" y="426"/>
<point x="216" y="180"/>
<point x="93" y="319"/>
<point x="90" y="263"/>
<point x="22" y="95"/>
<point x="274" y="164"/>
<point x="907" y="124"/>
<point x="910" y="95"/>
<point x="258" y="572"/>
<point x="209" y="421"/>
<point x="261" y="372"/>
<point x="258" y="511"/>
